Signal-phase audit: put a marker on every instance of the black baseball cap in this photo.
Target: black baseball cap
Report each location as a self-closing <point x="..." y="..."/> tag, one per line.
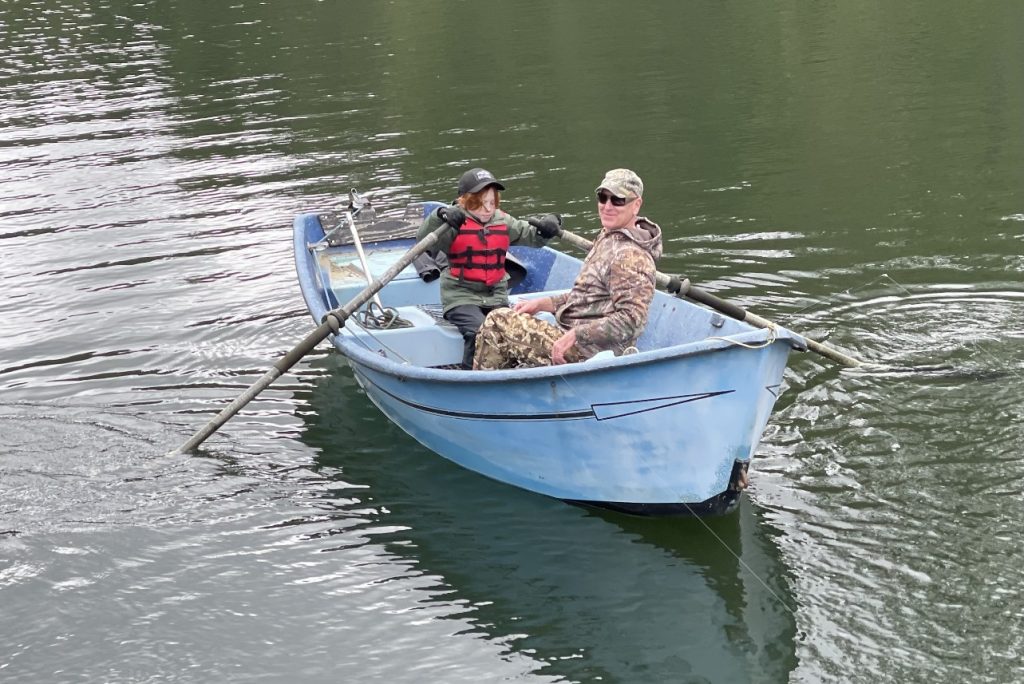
<point x="476" y="180"/>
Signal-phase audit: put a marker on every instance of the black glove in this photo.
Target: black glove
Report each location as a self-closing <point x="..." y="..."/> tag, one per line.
<point x="454" y="215"/>
<point x="548" y="225"/>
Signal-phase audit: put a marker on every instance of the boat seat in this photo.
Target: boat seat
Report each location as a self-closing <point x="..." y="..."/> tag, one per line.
<point x="436" y="312"/>
<point x="428" y="340"/>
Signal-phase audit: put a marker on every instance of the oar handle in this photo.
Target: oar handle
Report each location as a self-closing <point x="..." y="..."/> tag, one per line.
<point x="681" y="287"/>
<point x="333" y="321"/>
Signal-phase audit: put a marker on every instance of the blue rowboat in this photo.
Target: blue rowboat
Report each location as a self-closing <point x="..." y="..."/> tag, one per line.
<point x="668" y="430"/>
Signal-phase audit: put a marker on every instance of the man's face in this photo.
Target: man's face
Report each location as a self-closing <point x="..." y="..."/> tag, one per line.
<point x="614" y="217"/>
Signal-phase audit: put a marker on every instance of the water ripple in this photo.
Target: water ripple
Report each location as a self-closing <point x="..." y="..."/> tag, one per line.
<point x="897" y="488"/>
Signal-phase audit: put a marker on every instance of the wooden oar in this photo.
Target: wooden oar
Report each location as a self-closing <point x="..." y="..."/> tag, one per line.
<point x="681" y="287"/>
<point x="333" y="321"/>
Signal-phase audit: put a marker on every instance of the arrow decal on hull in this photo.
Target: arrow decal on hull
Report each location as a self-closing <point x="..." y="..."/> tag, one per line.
<point x="621" y="409"/>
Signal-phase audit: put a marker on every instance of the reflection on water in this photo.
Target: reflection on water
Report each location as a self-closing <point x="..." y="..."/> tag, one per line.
<point x="137" y="565"/>
<point x="592" y="595"/>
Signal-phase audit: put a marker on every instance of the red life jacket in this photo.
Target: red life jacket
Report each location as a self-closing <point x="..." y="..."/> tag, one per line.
<point x="478" y="254"/>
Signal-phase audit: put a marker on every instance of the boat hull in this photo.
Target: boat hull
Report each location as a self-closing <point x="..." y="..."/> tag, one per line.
<point x="663" y="432"/>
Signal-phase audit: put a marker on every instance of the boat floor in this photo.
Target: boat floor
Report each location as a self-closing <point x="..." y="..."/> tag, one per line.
<point x="422" y="337"/>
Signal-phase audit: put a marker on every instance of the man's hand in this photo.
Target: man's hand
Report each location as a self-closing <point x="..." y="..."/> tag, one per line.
<point x="534" y="306"/>
<point x="561" y="346"/>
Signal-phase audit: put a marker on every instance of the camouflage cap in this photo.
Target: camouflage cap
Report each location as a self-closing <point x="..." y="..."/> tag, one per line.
<point x="622" y="183"/>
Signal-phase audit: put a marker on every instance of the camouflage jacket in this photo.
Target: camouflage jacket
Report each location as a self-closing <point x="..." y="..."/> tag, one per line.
<point x="454" y="293"/>
<point x="608" y="303"/>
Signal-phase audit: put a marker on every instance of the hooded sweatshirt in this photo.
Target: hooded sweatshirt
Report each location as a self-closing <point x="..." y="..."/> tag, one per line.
<point x="608" y="303"/>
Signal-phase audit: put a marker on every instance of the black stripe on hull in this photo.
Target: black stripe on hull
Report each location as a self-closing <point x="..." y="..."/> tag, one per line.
<point x="716" y="505"/>
<point x="599" y="411"/>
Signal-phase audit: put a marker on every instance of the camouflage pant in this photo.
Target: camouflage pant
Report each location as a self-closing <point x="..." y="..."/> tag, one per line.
<point x="512" y="340"/>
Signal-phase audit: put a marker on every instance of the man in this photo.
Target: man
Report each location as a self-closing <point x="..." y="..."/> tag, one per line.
<point x="607" y="306"/>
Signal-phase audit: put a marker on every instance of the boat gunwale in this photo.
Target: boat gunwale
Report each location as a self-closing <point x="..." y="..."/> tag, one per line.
<point x="356" y="354"/>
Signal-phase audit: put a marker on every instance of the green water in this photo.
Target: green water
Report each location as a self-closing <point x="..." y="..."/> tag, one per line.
<point x="852" y="171"/>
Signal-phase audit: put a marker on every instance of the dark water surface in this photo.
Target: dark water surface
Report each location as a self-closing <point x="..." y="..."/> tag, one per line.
<point x="850" y="170"/>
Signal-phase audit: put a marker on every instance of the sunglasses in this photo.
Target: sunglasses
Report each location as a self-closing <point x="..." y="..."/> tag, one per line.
<point x="603" y="197"/>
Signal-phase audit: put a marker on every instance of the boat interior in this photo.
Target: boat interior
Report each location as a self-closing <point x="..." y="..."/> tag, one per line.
<point x="406" y="323"/>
